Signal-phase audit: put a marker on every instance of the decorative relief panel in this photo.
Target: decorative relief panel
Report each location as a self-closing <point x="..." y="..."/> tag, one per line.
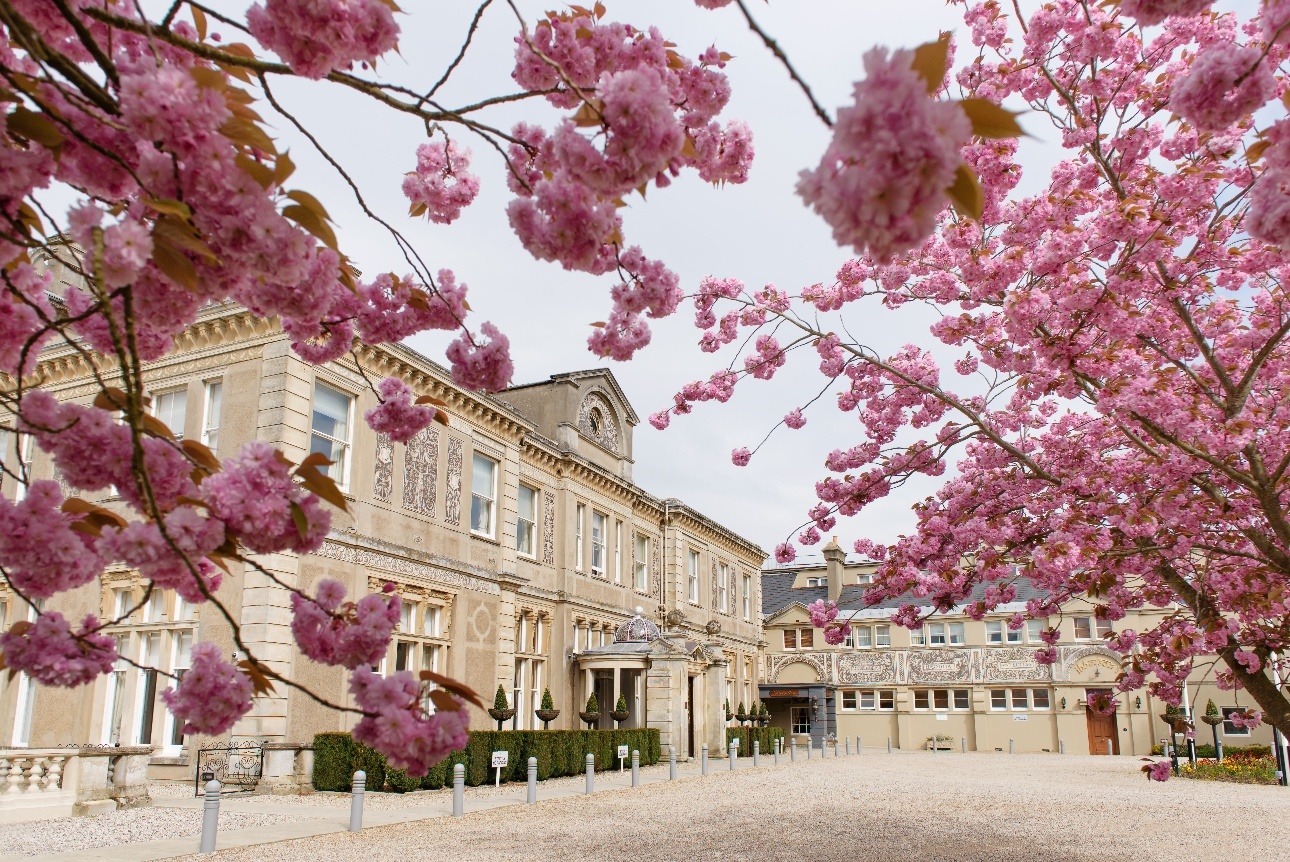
<point x="406" y="567"/>
<point x="1072" y="659"/>
<point x="596" y="420"/>
<point x="1009" y="664"/>
<point x="548" y="528"/>
<point x="452" y="491"/>
<point x="940" y="666"/>
<point x="656" y="569"/>
<point x="873" y="667"/>
<point x="383" y="481"/>
<point x="714" y="587"/>
<point x="421" y="472"/>
<point x="819" y="661"/>
<point x="65" y="486"/>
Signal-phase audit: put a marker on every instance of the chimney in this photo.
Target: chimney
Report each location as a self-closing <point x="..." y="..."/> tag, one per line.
<point x="833" y="559"/>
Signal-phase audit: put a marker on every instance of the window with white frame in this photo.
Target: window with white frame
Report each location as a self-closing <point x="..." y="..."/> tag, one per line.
<point x="692" y="575"/>
<point x="483" y="495"/>
<point x="580" y="518"/>
<point x="597" y="543"/>
<point x="849" y="639"/>
<point x="114" y="699"/>
<point x="171" y="408"/>
<point x="872" y="635"/>
<point x="1230" y="729"/>
<point x="723" y="587"/>
<point x="526" y="521"/>
<point x="817" y="582"/>
<point x="1083" y="628"/>
<point x="747" y="597"/>
<point x="419" y="642"/>
<point x="618" y="552"/>
<point x="998" y="631"/>
<point x="24" y="467"/>
<point x="530" y="667"/>
<point x="1040" y="698"/>
<point x="211" y="413"/>
<point x="1035" y="630"/>
<point x="1020" y="699"/>
<point x="330" y="431"/>
<point x="879" y="700"/>
<point x="181" y="657"/>
<point x="918" y="636"/>
<point x="641" y="575"/>
<point x="943" y="699"/>
<point x="801" y="719"/>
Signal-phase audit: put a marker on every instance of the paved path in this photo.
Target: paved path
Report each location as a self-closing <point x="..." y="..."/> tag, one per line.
<point x="905" y="806"/>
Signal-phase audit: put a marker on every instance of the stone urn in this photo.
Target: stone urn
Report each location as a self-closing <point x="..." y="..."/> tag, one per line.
<point x="501" y="715"/>
<point x="1212" y="720"/>
<point x="742" y="716"/>
<point x="546" y="716"/>
<point x="620" y="717"/>
<point x="589" y="717"/>
<point x="763" y="719"/>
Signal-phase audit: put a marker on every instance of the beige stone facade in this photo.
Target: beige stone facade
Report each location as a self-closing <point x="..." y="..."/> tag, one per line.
<point x="971" y="683"/>
<point x="515" y="536"/>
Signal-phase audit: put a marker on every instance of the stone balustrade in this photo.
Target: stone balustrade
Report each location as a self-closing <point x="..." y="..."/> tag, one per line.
<point x="37" y="783"/>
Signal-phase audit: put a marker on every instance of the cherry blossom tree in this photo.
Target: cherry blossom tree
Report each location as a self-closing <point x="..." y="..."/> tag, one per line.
<point x="1115" y="426"/>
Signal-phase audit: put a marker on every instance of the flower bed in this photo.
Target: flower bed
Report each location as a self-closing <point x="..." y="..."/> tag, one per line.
<point x="1238" y="768"/>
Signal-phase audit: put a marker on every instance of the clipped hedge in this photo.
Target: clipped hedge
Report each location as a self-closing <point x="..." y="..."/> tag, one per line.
<point x="558" y="752"/>
<point x="746" y="735"/>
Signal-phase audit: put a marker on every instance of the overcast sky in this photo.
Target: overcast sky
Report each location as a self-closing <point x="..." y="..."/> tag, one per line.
<point x="758" y="232"/>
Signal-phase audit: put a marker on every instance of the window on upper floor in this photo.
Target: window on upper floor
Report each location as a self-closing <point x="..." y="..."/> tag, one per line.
<point x="997" y="632"/>
<point x="483" y="495"/>
<point x="526" y="521"/>
<point x="1035" y="630"/>
<point x="598" y="521"/>
<point x="941" y="634"/>
<point x="330" y="432"/>
<point x="580" y="517"/>
<point x="817" y="582"/>
<point x="803" y="638"/>
<point x="641" y="571"/>
<point x="618" y="552"/>
<point x="211" y="414"/>
<point x="747" y="597"/>
<point x="692" y="573"/>
<point x="723" y="587"/>
<point x="171" y="408"/>
<point x="1083" y="628"/>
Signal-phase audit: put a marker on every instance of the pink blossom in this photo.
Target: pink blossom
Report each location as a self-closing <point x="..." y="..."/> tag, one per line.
<point x="884" y="176"/>
<point x="50" y="653"/>
<point x="254" y="496"/>
<point x="661" y="419"/>
<point x="1148" y="12"/>
<point x="1158" y="771"/>
<point x="397" y="415"/>
<point x="740" y="457"/>
<point x="441" y="182"/>
<point x="794" y="418"/>
<point x="1275" y="18"/>
<point x="712" y="4"/>
<point x="352" y="635"/>
<point x="395" y="724"/>
<point x="1224" y="84"/>
<point x="318" y="36"/>
<point x="785" y="553"/>
<point x="212" y="695"/>
<point x="40" y="551"/>
<point x="482" y="365"/>
<point x="1245" y="719"/>
<point x="1248" y="660"/>
<point x="822" y="612"/>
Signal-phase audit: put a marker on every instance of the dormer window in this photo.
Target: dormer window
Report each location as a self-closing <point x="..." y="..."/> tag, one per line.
<point x="817" y="582"/>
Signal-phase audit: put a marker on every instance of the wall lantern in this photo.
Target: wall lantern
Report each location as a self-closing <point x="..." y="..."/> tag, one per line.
<point x="1063" y="703"/>
<point x="1137" y="703"/>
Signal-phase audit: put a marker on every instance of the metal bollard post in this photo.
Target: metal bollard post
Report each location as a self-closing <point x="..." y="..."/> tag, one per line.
<point x="889" y="745"/>
<point x="357" y="792"/>
<point x="636" y="768"/>
<point x="210" y="818"/>
<point x="810" y="744"/>
<point x="1010" y="746"/>
<point x="756" y="752"/>
<point x="532" y="795"/>
<point x="1218" y="749"/>
<point x="792" y="752"/>
<point x="776" y="752"/>
<point x="848" y="744"/>
<point x="859" y="746"/>
<point x="703" y="759"/>
<point x="459" y="790"/>
<point x="963" y="743"/>
<point x="1061" y="746"/>
<point x="591" y="773"/>
<point x="837" y="750"/>
<point x="671" y="763"/>
<point x="734" y="754"/>
<point x="1109" y="748"/>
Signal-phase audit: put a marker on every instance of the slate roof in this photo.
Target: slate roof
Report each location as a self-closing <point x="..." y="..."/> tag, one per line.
<point x="777" y="593"/>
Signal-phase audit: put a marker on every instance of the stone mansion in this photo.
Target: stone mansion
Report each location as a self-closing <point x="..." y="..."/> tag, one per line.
<point x="516" y="538"/>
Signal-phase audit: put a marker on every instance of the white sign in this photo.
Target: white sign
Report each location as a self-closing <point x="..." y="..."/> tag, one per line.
<point x="942" y="718"/>
<point x="622" y="751"/>
<point x="1019" y="717"/>
<point x="500" y="758"/>
<point x="735" y="742"/>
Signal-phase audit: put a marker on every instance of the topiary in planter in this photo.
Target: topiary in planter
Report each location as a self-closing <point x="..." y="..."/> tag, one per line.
<point x="619" y="712"/>
<point x="547" y="711"/>
<point x="742" y="714"/>
<point x="1212" y="716"/>
<point x="501" y="710"/>
<point x="729" y="714"/>
<point x="592" y="713"/>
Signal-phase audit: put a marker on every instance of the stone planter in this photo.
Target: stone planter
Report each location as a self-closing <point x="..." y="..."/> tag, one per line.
<point x="546" y="716"/>
<point x="500" y="715"/>
<point x="619" y="717"/>
<point x="589" y="717"/>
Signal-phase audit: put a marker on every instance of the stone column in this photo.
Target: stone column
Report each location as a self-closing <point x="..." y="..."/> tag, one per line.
<point x="713" y="715"/>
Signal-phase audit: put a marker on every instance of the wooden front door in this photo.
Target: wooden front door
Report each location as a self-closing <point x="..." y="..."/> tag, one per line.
<point x="1101" y="728"/>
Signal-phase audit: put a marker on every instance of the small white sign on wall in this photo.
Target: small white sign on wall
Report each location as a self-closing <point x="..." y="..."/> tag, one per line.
<point x="1020" y="717"/>
<point x="942" y="718"/>
<point x="500" y="758"/>
<point x="735" y="743"/>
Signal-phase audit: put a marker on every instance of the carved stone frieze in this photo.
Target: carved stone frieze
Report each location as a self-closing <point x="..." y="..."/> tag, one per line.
<point x="1012" y="664"/>
<point x="452" y="489"/>
<point x="714" y="587"/>
<point x="819" y="661"/>
<point x="656" y="569"/>
<point x="867" y="667"/>
<point x="383" y="476"/>
<point x="940" y="666"/>
<point x="421" y="472"/>
<point x="596" y="421"/>
<point x="424" y="573"/>
<point x="548" y="528"/>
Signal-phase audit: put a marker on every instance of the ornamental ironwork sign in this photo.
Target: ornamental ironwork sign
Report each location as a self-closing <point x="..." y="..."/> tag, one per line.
<point x="236" y="767"/>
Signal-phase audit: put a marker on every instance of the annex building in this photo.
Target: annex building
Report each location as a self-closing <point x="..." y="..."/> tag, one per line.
<point x="956" y="680"/>
<point x="522" y="550"/>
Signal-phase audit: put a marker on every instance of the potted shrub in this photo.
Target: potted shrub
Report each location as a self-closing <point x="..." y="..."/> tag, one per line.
<point x="763" y="718"/>
<point x="547" y="712"/>
<point x="939" y="742"/>
<point x="501" y="710"/>
<point x="620" y="713"/>
<point x="1213" y="718"/>
<point x="729" y="714"/>
<point x="592" y="713"/>
<point x="742" y="714"/>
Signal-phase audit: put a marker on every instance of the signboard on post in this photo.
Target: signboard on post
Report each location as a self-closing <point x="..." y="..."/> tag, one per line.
<point x="735" y="743"/>
<point x="622" y="757"/>
<point x="500" y="759"/>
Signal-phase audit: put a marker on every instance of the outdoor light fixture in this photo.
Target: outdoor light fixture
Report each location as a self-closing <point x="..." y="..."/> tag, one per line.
<point x="1063" y="703"/>
<point x="1137" y="703"/>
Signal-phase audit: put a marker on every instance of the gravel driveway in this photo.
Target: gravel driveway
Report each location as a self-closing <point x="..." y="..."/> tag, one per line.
<point x="905" y="806"/>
